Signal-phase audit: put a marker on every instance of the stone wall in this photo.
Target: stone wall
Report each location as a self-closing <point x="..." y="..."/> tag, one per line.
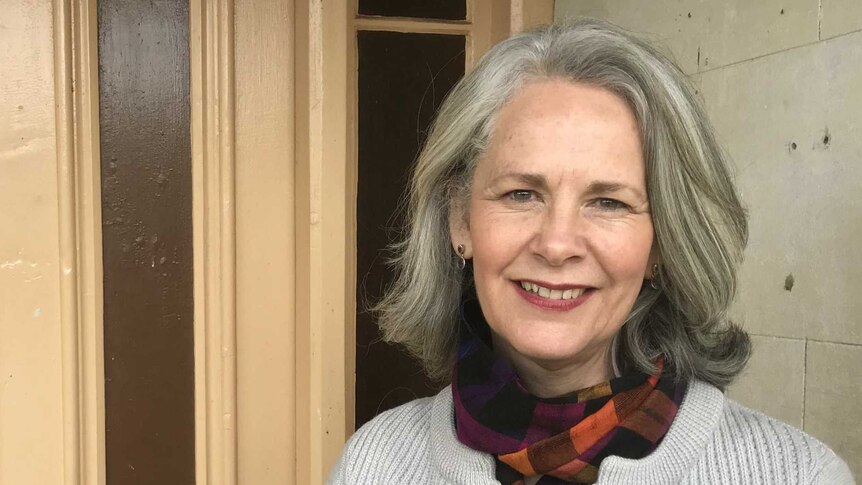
<point x="782" y="82"/>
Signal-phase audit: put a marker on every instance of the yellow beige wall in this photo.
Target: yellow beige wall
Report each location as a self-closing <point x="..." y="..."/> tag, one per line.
<point x="45" y="331"/>
<point x="782" y="81"/>
<point x="31" y="439"/>
<point x="51" y="379"/>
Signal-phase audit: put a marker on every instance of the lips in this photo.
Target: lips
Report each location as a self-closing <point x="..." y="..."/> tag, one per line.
<point x="563" y="297"/>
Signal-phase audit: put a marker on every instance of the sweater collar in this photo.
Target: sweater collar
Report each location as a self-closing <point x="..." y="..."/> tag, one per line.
<point x="695" y="423"/>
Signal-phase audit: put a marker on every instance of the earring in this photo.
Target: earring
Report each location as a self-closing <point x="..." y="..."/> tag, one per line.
<point x="653" y="282"/>
<point x="462" y="263"/>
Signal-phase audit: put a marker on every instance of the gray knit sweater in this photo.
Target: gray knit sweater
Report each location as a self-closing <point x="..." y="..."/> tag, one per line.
<point x="711" y="440"/>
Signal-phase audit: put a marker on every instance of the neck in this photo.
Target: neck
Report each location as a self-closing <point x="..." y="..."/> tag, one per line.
<point x="554" y="378"/>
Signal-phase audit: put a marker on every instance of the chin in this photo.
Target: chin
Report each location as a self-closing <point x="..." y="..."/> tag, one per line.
<point x="550" y="348"/>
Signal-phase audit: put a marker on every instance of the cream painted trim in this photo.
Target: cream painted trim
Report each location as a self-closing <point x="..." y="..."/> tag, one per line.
<point x="265" y="243"/>
<point x="516" y="20"/>
<point x="213" y="202"/>
<point x="488" y="22"/>
<point x="485" y="15"/>
<point x="398" y="24"/>
<point x="325" y="193"/>
<point x="350" y="228"/>
<point x="527" y="14"/>
<point x="80" y="234"/>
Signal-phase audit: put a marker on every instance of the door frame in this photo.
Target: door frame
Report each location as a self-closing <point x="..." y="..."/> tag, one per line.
<point x="274" y="157"/>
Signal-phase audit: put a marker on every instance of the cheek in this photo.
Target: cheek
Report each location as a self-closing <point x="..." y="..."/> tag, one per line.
<point x="497" y="242"/>
<point x="491" y="253"/>
<point x="626" y="256"/>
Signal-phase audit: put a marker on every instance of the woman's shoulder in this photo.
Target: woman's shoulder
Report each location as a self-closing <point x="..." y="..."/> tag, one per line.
<point x="407" y="420"/>
<point x="773" y="447"/>
<point x="382" y="448"/>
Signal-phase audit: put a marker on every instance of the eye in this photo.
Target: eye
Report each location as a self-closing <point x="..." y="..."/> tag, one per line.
<point x="611" y="204"/>
<point x="521" y="195"/>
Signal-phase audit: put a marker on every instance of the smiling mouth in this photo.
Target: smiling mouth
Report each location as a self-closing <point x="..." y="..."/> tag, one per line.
<point x="557" y="294"/>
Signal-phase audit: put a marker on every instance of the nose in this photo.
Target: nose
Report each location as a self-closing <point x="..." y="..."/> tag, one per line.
<point x="562" y="235"/>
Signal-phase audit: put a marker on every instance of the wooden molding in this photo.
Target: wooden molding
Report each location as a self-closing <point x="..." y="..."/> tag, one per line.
<point x="265" y="243"/>
<point x="398" y="24"/>
<point x="325" y="193"/>
<point x="527" y="14"/>
<point x="78" y="165"/>
<point x="213" y="205"/>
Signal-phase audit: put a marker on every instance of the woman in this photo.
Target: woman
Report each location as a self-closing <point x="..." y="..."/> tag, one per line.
<point x="596" y="234"/>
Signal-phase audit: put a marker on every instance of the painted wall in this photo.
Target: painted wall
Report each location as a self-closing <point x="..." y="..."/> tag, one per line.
<point x="31" y="380"/>
<point x="782" y="81"/>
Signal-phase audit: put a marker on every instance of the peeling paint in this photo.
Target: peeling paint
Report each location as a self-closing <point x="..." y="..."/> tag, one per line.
<point x="37" y="313"/>
<point x="19" y="262"/>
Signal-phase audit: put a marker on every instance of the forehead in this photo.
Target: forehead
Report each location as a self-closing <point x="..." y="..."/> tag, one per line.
<point x="554" y="124"/>
<point x="560" y="97"/>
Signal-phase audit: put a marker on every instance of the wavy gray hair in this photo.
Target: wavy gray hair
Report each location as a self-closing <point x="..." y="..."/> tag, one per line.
<point x="700" y="225"/>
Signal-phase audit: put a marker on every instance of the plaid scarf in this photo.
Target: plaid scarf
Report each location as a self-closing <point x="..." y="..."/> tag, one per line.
<point x="565" y="438"/>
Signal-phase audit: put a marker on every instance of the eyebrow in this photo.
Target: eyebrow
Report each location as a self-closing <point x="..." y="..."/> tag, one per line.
<point x="605" y="187"/>
<point x="528" y="179"/>
<point x="595" y="187"/>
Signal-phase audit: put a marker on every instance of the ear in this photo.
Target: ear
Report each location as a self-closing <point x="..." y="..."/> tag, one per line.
<point x="459" y="226"/>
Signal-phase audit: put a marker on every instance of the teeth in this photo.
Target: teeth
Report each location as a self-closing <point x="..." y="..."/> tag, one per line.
<point x="552" y="294"/>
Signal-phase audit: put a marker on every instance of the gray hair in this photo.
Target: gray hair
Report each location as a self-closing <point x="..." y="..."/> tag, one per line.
<point x="700" y="225"/>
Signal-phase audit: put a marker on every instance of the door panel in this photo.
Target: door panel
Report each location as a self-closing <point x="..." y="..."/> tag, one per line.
<point x="147" y="241"/>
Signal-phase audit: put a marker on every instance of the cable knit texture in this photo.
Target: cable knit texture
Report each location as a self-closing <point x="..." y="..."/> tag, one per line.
<point x="711" y="440"/>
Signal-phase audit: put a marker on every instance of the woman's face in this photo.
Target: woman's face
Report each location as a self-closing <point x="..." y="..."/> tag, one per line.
<point x="558" y="224"/>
